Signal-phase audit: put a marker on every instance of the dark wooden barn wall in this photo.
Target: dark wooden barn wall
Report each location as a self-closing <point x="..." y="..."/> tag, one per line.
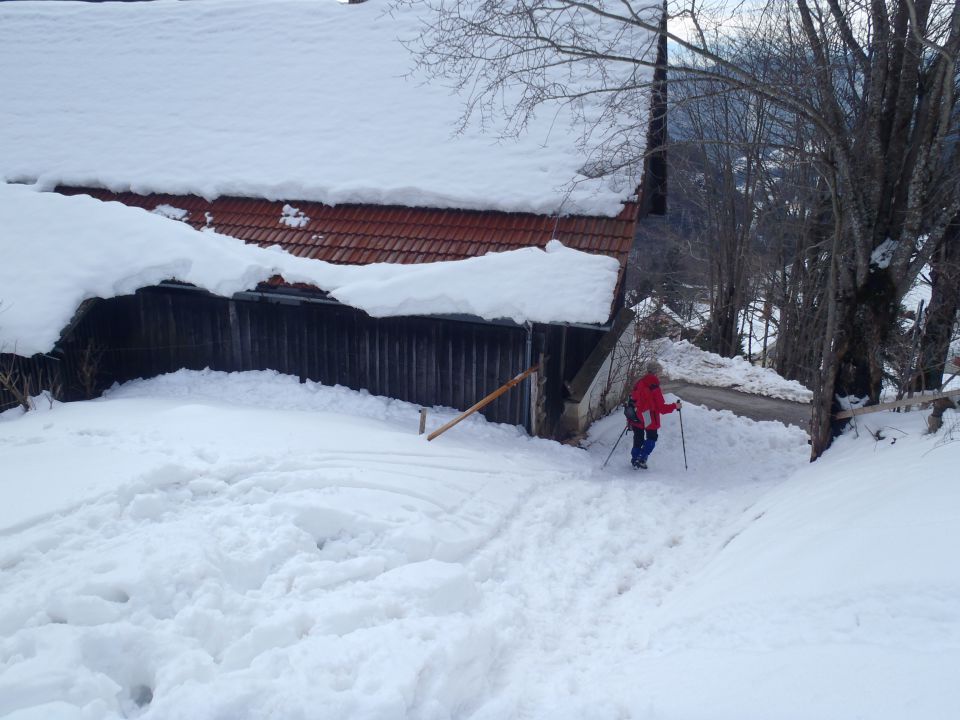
<point x="564" y="350"/>
<point x="421" y="360"/>
<point x="428" y="361"/>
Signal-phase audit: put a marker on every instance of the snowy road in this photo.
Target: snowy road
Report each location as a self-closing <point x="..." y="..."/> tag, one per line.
<point x="756" y="407"/>
<point x="229" y="561"/>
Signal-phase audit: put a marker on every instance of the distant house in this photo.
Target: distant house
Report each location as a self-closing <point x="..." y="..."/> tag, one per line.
<point x="351" y="166"/>
<point x="656" y="319"/>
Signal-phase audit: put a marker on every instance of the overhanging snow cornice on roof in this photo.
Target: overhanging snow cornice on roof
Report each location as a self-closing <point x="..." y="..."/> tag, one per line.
<point x="286" y="295"/>
<point x="369" y="234"/>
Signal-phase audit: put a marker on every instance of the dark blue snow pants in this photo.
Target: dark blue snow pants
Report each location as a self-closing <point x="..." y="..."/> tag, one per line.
<point x="643" y="446"/>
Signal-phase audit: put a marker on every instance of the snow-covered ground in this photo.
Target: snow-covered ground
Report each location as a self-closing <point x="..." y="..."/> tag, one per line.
<point x="204" y="545"/>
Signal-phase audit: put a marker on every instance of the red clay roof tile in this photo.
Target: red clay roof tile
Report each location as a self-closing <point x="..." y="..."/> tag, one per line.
<point x="370" y="233"/>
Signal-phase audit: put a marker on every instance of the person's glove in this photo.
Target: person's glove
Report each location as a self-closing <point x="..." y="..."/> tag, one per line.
<point x="678" y="404"/>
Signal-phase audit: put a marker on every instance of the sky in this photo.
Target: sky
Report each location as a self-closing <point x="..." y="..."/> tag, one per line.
<point x="211" y="545"/>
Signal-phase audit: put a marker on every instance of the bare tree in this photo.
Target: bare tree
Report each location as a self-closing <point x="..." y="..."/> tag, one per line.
<point x="877" y="87"/>
<point x="22" y="380"/>
<point x="511" y="59"/>
<point x="730" y="177"/>
<point x="877" y="83"/>
<point x="14" y="382"/>
<point x="884" y="89"/>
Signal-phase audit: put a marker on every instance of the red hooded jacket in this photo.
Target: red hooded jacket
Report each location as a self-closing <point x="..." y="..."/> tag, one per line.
<point x="649" y="402"/>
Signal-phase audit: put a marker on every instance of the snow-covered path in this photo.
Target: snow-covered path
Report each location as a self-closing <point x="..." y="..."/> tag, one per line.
<point x="586" y="564"/>
<point x="186" y="554"/>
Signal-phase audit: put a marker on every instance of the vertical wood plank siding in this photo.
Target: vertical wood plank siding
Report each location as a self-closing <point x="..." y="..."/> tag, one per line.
<point x="428" y="361"/>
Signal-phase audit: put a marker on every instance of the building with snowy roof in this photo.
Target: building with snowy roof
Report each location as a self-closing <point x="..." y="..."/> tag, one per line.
<point x="435" y="265"/>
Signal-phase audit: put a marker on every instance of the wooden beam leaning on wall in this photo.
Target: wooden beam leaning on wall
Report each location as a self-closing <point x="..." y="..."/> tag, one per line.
<point x="486" y="401"/>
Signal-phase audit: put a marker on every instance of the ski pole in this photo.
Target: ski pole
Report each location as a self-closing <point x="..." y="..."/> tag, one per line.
<point x="682" y="439"/>
<point x="615" y="446"/>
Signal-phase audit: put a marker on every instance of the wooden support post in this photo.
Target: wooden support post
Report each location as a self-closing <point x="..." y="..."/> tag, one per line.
<point x="486" y="401"/>
<point x="423" y="420"/>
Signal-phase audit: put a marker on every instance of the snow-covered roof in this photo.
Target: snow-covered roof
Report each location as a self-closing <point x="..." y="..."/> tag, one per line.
<point x="651" y="305"/>
<point x="287" y="99"/>
<point x="58" y="251"/>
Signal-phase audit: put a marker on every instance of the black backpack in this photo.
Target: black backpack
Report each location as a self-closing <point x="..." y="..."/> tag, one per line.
<point x="630" y="410"/>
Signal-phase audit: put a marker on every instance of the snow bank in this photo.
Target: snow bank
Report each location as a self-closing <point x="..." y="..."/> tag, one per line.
<point x="684" y="361"/>
<point x="58" y="251"/>
<point x="289" y="99"/>
<point x="884" y="517"/>
<point x="838" y="590"/>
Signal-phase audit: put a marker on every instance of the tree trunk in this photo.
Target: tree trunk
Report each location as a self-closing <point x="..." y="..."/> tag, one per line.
<point x="840" y="309"/>
<point x="853" y="357"/>
<point x="723" y="336"/>
<point x="942" y="311"/>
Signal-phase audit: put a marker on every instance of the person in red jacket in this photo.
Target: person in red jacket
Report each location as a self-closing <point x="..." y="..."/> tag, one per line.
<point x="650" y="405"/>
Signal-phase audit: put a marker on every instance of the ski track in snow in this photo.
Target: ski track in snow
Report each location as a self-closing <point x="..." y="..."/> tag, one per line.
<point x="489" y="575"/>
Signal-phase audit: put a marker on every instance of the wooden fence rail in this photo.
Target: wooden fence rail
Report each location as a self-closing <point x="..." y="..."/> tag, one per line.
<point x="915" y="400"/>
